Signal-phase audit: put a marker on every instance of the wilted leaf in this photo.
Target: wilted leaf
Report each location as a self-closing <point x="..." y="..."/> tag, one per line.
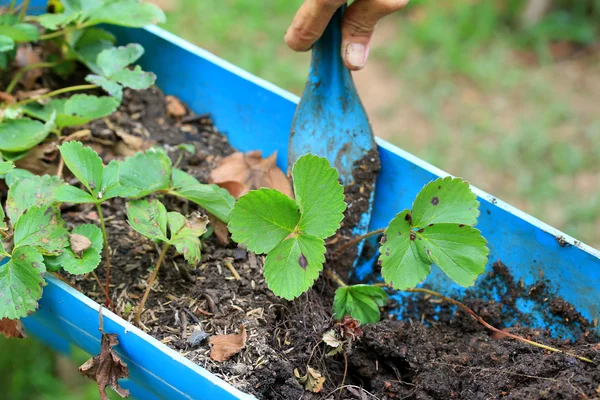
<point x="313" y="380"/>
<point x="40" y="159"/>
<point x="27" y="55"/>
<point x="21" y="280"/>
<point x="226" y="346"/>
<point x="79" y="243"/>
<point x="252" y="172"/>
<point x="107" y="367"/>
<point x="331" y="339"/>
<point x="27" y="192"/>
<point x="12" y="328"/>
<point x="84" y="255"/>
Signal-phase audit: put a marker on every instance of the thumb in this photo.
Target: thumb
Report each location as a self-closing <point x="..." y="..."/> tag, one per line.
<point x="358" y="27"/>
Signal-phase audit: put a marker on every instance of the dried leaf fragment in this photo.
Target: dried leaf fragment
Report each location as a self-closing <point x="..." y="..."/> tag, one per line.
<point x="79" y="243"/>
<point x="241" y="172"/>
<point x="174" y="107"/>
<point x="107" y="367"/>
<point x="312" y="381"/>
<point x="226" y="346"/>
<point x="331" y="339"/>
<point x="12" y="328"/>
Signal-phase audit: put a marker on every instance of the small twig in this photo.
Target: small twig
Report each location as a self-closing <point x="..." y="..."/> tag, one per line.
<point x="4" y="234"/>
<point x="61" y="165"/>
<point x="232" y="270"/>
<point x="106" y="250"/>
<point x="24" y="7"/>
<point x="11" y="7"/>
<point x="138" y="313"/>
<point x="345" y="374"/>
<point x="354" y="387"/>
<point x="100" y="320"/>
<point x="179" y="159"/>
<point x="357" y="240"/>
<point x="490" y="327"/>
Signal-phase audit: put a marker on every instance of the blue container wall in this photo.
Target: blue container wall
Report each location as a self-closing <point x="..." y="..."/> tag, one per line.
<point x="256" y="115"/>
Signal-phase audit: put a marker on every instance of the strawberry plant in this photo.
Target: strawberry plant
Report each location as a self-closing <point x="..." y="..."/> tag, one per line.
<point x="135" y="177"/>
<point x="151" y="219"/>
<point x="36" y="239"/>
<point x="438" y="230"/>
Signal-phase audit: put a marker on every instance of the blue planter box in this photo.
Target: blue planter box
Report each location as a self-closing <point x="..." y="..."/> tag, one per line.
<point x="256" y="114"/>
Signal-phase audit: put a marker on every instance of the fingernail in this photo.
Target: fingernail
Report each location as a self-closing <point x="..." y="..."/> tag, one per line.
<point x="356" y="55"/>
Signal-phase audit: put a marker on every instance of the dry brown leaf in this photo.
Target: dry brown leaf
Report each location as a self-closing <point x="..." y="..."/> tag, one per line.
<point x="30" y="94"/>
<point x="79" y="243"/>
<point x="41" y="159"/>
<point x="241" y="172"/>
<point x="12" y="328"/>
<point x="107" y="367"/>
<point x="226" y="346"/>
<point x="27" y="55"/>
<point x="220" y="229"/>
<point x="312" y="381"/>
<point x="174" y="107"/>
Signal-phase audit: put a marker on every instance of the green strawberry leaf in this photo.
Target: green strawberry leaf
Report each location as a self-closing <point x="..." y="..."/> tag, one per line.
<point x="18" y="135"/>
<point x="84" y="163"/>
<point x="20" y="32"/>
<point x="212" y="198"/>
<point x="132" y="14"/>
<point x="16" y="174"/>
<point x="185" y="235"/>
<point x="149" y="218"/>
<point x="6" y="43"/>
<point x="77" y="110"/>
<point x="54" y="22"/>
<point x="6" y="167"/>
<point x="319" y="195"/>
<point x="262" y="218"/>
<point x="147" y="172"/>
<point x="459" y="250"/>
<point x="294" y="265"/>
<point x="42" y="228"/>
<point x="21" y="281"/>
<point x="361" y="302"/>
<point x="34" y="191"/>
<point x="116" y="59"/>
<point x="402" y="263"/>
<point x="111" y="187"/>
<point x="90" y="258"/>
<point x="3" y="224"/>
<point x="72" y="194"/>
<point x="111" y="87"/>
<point x="445" y="200"/>
<point x="134" y="78"/>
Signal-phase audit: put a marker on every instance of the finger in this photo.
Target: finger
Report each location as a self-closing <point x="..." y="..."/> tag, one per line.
<point x="358" y="27"/>
<point x="310" y="22"/>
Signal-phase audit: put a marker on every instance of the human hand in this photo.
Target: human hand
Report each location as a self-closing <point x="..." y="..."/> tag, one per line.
<point x="357" y="28"/>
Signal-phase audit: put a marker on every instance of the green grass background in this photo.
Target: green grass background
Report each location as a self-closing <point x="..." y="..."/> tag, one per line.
<point x="522" y="132"/>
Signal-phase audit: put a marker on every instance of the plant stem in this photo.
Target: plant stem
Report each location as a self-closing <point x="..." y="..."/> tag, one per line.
<point x="110" y="303"/>
<point x="29" y="67"/>
<point x="335" y="277"/>
<point x="357" y="240"/>
<point x="474" y="315"/>
<point x="106" y="252"/>
<point x="24" y="7"/>
<point x="161" y="257"/>
<point x="11" y="7"/>
<point x="64" y="31"/>
<point x="55" y="93"/>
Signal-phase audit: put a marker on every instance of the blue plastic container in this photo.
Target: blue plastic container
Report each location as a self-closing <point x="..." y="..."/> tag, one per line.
<point x="256" y="114"/>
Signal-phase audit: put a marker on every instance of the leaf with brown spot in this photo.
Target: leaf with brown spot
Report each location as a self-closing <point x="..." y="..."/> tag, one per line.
<point x="12" y="328"/>
<point x="250" y="171"/>
<point x="107" y="367"/>
<point x="226" y="346"/>
<point x="312" y="381"/>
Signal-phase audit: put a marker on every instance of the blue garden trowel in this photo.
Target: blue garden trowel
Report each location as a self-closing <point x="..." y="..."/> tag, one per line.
<point x="331" y="122"/>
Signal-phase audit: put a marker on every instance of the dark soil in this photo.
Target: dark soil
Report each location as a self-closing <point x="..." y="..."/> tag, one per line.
<point x="431" y="354"/>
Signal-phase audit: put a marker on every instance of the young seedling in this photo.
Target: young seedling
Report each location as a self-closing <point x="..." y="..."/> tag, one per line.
<point x="101" y="184"/>
<point x="150" y="218"/>
<point x="292" y="233"/>
<point x="438" y="230"/>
